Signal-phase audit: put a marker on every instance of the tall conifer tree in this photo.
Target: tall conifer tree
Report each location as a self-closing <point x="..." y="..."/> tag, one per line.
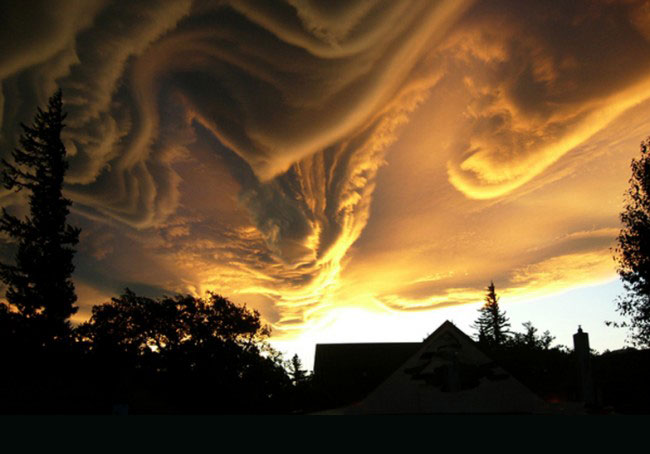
<point x="492" y="324"/>
<point x="39" y="285"/>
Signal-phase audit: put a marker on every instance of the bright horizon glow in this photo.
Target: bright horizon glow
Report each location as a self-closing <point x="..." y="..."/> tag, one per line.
<point x="560" y="313"/>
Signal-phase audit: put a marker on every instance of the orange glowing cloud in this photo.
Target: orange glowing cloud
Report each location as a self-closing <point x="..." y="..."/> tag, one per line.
<point x="323" y="159"/>
<point x="541" y="85"/>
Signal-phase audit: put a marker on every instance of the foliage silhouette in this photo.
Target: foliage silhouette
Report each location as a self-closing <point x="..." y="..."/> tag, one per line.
<point x="296" y="372"/>
<point x="632" y="253"/>
<point x="39" y="286"/>
<point x="187" y="354"/>
<point x="492" y="324"/>
<point x="531" y="340"/>
<point x="305" y="396"/>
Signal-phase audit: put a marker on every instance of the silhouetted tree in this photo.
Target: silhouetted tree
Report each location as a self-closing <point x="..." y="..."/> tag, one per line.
<point x="492" y="324"/>
<point x="136" y="325"/>
<point x="306" y="395"/>
<point x="296" y="372"/>
<point x="203" y="354"/>
<point x="632" y="253"/>
<point x="531" y="340"/>
<point x="39" y="285"/>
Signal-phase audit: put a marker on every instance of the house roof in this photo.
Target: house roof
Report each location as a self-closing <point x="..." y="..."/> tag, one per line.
<point x="446" y="373"/>
<point x="346" y="373"/>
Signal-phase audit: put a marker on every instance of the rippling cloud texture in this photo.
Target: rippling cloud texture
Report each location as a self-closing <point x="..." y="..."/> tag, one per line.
<point x="241" y="146"/>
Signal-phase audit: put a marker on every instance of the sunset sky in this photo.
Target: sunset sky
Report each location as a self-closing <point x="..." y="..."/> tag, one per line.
<point x="356" y="171"/>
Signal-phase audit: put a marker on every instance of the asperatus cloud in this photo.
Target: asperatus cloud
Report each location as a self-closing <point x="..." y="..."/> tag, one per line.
<point x="302" y="156"/>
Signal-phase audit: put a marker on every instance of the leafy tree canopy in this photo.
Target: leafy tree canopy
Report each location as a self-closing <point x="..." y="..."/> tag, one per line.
<point x="141" y="326"/>
<point x="632" y="253"/>
<point x="212" y="353"/>
<point x="531" y="340"/>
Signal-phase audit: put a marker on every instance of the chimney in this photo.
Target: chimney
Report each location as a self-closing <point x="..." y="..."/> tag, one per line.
<point x="583" y="359"/>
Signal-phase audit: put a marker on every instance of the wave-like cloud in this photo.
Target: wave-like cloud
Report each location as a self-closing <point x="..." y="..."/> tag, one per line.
<point x="301" y="98"/>
<point x="235" y="145"/>
<point x="542" y="79"/>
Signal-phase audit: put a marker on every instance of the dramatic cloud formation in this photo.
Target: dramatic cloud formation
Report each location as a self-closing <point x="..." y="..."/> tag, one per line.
<point x="541" y="81"/>
<point x="236" y="146"/>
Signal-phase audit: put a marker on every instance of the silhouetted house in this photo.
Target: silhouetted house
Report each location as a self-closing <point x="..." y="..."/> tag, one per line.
<point x="446" y="373"/>
<point x="348" y="372"/>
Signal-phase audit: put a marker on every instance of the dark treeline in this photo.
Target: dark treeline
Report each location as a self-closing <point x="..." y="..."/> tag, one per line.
<point x="168" y="355"/>
<point x="619" y="377"/>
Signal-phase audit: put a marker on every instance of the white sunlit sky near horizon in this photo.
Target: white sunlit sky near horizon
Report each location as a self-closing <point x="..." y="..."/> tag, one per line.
<point x="561" y="314"/>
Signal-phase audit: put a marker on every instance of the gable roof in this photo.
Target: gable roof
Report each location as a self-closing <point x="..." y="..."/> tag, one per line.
<point x="347" y="373"/>
<point x="449" y="374"/>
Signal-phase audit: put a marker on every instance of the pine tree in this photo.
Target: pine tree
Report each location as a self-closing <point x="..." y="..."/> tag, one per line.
<point x="296" y="372"/>
<point x="492" y="324"/>
<point x="632" y="253"/>
<point x="39" y="285"/>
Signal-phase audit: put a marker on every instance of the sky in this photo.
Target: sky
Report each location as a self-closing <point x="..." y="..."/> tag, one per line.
<point x="355" y="171"/>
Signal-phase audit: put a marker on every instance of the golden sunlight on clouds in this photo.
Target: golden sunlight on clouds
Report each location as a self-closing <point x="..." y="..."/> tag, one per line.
<point x="558" y="273"/>
<point x="485" y="175"/>
<point x="323" y="161"/>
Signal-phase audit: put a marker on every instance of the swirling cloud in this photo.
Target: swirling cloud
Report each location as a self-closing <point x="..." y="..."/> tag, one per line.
<point x="543" y="78"/>
<point x="298" y="102"/>
<point x="236" y="145"/>
<point x="274" y="85"/>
